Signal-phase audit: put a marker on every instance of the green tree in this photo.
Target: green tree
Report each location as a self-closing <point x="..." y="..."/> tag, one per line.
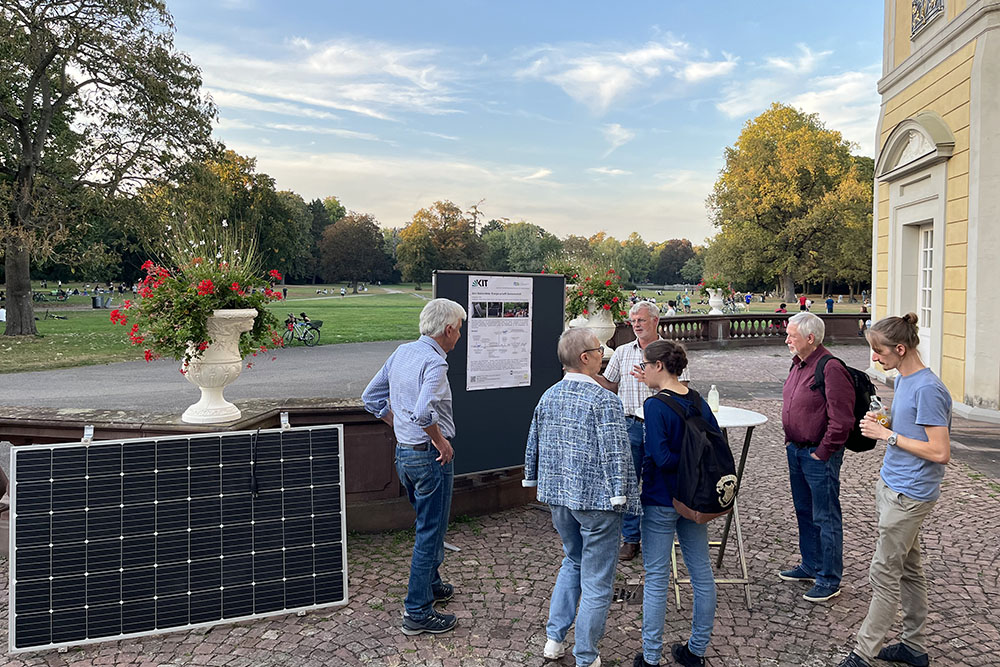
<point x="416" y="255"/>
<point x="672" y="257"/>
<point x="781" y="167"/>
<point x="334" y="208"/>
<point x="637" y="259"/>
<point x="527" y="246"/>
<point x="137" y="113"/>
<point x="353" y="249"/>
<point x="453" y="233"/>
<point x="694" y="268"/>
<point x="495" y="250"/>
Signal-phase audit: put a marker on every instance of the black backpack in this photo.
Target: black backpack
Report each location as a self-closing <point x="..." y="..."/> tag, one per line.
<point x="706" y="472"/>
<point x="864" y="390"/>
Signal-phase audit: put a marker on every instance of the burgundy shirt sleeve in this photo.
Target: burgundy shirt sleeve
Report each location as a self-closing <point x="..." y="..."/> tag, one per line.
<point x="839" y="410"/>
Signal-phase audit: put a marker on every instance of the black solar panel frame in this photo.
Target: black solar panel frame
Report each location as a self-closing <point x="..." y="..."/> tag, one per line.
<point x="201" y="605"/>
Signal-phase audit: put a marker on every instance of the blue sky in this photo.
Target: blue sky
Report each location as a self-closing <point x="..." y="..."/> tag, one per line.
<point x="577" y="116"/>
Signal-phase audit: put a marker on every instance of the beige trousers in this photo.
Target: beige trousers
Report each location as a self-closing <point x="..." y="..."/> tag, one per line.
<point x="896" y="575"/>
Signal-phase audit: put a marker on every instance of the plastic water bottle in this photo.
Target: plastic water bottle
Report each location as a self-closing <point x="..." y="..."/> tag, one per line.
<point x="713" y="399"/>
<point x="881" y="414"/>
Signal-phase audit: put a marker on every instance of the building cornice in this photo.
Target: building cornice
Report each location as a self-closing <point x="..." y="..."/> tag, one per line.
<point x="976" y="19"/>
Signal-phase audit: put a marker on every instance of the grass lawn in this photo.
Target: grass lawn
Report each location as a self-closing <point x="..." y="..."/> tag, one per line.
<point x="87" y="336"/>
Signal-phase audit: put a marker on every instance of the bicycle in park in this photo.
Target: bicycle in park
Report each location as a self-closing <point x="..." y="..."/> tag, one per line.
<point x="304" y="330"/>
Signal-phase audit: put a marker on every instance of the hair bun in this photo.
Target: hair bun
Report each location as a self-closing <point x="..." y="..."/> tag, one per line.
<point x="911" y="318"/>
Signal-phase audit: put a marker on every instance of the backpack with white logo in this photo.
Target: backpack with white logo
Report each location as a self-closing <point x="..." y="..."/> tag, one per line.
<point x="706" y="472"/>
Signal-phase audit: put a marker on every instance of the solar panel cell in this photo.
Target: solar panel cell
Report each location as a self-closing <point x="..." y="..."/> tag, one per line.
<point x="125" y="538"/>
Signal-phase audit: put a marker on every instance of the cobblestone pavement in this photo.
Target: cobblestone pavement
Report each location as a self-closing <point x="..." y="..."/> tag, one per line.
<point x="508" y="562"/>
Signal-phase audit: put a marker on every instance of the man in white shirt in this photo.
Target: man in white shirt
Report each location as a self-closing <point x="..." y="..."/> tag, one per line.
<point x="624" y="376"/>
<point x="671" y="309"/>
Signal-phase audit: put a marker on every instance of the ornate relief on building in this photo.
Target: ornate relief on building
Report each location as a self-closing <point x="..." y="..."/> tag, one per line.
<point x="924" y="11"/>
<point x="916" y="146"/>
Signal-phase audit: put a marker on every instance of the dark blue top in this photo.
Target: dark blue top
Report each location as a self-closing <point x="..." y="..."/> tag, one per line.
<point x="664" y="429"/>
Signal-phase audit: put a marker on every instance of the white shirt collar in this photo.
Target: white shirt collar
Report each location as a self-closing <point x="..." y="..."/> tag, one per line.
<point x="580" y="377"/>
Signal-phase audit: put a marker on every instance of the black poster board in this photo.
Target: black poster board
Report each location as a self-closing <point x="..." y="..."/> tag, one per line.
<point x="491" y="425"/>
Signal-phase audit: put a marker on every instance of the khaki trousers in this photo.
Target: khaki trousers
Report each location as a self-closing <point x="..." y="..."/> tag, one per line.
<point x="896" y="574"/>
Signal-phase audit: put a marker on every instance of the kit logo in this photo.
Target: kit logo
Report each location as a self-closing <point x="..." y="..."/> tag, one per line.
<point x="480" y="283"/>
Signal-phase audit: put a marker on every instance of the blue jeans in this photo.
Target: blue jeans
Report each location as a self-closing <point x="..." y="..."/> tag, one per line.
<point x="428" y="485"/>
<point x="658" y="526"/>
<point x="587" y="577"/>
<point x="816" y="496"/>
<point x="630" y="524"/>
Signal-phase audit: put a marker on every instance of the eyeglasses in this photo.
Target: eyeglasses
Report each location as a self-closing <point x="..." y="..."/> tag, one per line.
<point x="643" y="364"/>
<point x="595" y="349"/>
<point x="640" y="320"/>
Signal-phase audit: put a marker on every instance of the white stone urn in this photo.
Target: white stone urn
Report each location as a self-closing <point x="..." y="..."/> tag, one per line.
<point x="714" y="300"/>
<point x="602" y="324"/>
<point x="218" y="367"/>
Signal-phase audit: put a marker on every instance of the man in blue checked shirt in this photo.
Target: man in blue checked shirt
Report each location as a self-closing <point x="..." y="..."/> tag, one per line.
<point x="411" y="393"/>
<point x="578" y="455"/>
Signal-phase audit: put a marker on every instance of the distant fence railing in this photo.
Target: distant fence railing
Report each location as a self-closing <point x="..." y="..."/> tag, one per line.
<point x="707" y="331"/>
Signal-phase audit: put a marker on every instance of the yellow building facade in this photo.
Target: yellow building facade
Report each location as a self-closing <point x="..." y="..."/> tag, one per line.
<point x="936" y="232"/>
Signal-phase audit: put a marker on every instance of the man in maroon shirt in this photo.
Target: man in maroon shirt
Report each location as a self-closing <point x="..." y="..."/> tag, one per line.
<point x="816" y="425"/>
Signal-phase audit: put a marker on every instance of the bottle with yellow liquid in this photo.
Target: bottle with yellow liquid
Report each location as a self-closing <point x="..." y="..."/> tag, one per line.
<point x="881" y="414"/>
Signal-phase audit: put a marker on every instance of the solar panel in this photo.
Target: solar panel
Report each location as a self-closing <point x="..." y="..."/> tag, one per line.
<point x="119" y="539"/>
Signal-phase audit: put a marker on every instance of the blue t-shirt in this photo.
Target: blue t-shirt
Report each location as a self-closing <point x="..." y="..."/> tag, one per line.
<point x="663" y="431"/>
<point x="921" y="400"/>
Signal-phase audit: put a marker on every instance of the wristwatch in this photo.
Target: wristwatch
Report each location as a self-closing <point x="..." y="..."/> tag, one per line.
<point x="891" y="440"/>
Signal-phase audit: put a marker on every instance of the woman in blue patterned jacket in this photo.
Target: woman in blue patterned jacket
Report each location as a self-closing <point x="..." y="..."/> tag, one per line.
<point x="578" y="455"/>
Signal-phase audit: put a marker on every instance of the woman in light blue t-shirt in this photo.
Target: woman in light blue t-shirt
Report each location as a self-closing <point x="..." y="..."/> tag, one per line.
<point x="918" y="446"/>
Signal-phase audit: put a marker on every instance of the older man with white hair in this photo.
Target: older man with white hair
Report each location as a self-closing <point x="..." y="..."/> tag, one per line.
<point x="624" y="375"/>
<point x="817" y="422"/>
<point x="411" y="393"/>
<point x="578" y="456"/>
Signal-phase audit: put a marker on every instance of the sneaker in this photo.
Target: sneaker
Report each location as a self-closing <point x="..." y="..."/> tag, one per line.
<point x="640" y="661"/>
<point x="820" y="593"/>
<point x="683" y="656"/>
<point x="854" y="660"/>
<point x="903" y="653"/>
<point x="435" y="623"/>
<point x="796" y="574"/>
<point x="554" y="650"/>
<point x="596" y="663"/>
<point x="443" y="593"/>
<point x="629" y="551"/>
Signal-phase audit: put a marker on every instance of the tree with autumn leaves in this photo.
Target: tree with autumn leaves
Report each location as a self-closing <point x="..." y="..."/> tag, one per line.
<point x="790" y="201"/>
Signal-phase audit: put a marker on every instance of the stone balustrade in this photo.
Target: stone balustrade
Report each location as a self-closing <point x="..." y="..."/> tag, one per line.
<point x="722" y="331"/>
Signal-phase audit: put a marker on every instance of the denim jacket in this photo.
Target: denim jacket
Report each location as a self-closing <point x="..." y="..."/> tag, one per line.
<point x="578" y="452"/>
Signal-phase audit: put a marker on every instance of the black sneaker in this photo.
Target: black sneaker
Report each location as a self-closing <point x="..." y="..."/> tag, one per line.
<point x="640" y="661"/>
<point x="902" y="653"/>
<point x="435" y="623"/>
<point x="683" y="656"/>
<point x="443" y="593"/>
<point x="854" y="660"/>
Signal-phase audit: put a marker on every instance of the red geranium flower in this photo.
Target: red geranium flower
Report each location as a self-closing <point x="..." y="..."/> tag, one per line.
<point x="274" y="274"/>
<point x="235" y="287"/>
<point x="614" y="300"/>
<point x="206" y="287"/>
<point x="149" y="355"/>
<point x="115" y="315"/>
<point x="585" y="312"/>
<point x="147" y="265"/>
<point x="607" y="307"/>
<point x="607" y="283"/>
<point x="202" y="346"/>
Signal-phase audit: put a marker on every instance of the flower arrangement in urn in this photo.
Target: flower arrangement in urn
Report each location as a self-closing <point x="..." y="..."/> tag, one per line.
<point x="715" y="281"/>
<point x="587" y="291"/>
<point x="202" y="271"/>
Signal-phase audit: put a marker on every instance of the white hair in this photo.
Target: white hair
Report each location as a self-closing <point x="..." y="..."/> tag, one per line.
<point x="809" y="323"/>
<point x="439" y="313"/>
<point x="651" y="309"/>
<point x="572" y="344"/>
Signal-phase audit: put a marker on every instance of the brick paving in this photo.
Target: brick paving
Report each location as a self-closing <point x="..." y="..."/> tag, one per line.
<point x="508" y="562"/>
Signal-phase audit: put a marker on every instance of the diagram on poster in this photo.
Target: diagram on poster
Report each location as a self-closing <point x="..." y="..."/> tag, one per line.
<point x="499" y="332"/>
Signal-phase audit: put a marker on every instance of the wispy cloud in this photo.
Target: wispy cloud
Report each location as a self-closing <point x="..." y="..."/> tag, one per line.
<point x="314" y="129"/>
<point x="608" y="171"/>
<point x="700" y="71"/>
<point x="847" y="101"/>
<point x="367" y="78"/>
<point x="599" y="77"/>
<point x="540" y="173"/>
<point x="617" y="136"/>
<point x="803" y="64"/>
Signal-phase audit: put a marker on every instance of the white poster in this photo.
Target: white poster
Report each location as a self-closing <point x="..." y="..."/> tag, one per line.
<point x="499" y="332"/>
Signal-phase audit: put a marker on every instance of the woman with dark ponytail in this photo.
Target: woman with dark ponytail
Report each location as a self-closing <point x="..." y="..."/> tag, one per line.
<point x="918" y="447"/>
